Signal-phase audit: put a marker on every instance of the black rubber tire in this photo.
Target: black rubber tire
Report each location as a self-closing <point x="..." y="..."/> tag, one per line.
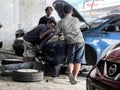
<point x="90" y="55"/>
<point x="27" y="76"/>
<point x="11" y="61"/>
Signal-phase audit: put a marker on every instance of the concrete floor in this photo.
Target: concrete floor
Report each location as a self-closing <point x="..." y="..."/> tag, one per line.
<point x="59" y="83"/>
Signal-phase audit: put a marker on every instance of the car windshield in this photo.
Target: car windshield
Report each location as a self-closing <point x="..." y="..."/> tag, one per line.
<point x="100" y="21"/>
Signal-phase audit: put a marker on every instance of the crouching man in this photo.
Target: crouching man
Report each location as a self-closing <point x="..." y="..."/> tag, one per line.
<point x="35" y="37"/>
<point x="31" y="38"/>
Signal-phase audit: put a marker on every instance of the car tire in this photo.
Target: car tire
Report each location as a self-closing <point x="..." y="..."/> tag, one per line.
<point x="90" y="55"/>
<point x="23" y="75"/>
<point x="11" y="61"/>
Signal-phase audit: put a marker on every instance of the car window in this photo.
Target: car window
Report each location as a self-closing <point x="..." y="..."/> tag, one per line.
<point x="100" y="21"/>
<point x="112" y="28"/>
<point x="116" y="22"/>
<point x="97" y="23"/>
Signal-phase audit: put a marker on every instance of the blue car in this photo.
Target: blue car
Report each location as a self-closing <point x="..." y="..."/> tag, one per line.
<point x="98" y="34"/>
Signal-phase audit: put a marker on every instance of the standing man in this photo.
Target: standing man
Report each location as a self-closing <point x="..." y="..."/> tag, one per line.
<point x="47" y="17"/>
<point x="70" y="26"/>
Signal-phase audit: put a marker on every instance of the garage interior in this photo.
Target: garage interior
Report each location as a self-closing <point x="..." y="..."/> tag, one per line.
<point x="24" y="15"/>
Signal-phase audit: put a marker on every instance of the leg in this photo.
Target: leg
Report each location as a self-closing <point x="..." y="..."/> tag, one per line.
<point x="71" y="67"/>
<point x="76" y="70"/>
<point x="29" y="52"/>
<point x="79" y="58"/>
<point x="26" y="65"/>
<point x="70" y="53"/>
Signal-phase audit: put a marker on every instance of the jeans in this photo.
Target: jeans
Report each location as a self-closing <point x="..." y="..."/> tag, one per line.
<point x="26" y="65"/>
<point x="28" y="49"/>
<point x="76" y="52"/>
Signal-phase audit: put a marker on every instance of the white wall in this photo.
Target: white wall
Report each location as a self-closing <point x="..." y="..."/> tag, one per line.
<point x="15" y="14"/>
<point x="30" y="13"/>
<point x="7" y="18"/>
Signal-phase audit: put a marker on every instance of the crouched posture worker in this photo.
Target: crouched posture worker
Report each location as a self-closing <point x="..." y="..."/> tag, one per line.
<point x="36" y="36"/>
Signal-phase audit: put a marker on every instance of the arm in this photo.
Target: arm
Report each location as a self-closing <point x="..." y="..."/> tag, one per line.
<point x="57" y="29"/>
<point x="44" y="34"/>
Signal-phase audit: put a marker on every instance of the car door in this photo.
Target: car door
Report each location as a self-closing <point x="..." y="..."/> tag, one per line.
<point x="110" y="34"/>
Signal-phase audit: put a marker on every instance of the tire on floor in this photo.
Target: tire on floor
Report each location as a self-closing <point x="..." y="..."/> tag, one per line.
<point x="27" y="75"/>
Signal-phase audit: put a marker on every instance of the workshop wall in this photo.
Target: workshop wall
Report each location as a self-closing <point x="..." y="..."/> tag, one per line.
<point x="18" y="14"/>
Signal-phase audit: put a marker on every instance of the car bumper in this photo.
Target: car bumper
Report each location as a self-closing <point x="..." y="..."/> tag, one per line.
<point x="101" y="84"/>
<point x="90" y="85"/>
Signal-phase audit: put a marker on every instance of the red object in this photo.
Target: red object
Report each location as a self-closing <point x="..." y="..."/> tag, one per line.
<point x="119" y="8"/>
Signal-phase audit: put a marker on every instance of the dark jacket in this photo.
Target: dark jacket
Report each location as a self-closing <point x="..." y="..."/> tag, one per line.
<point x="33" y="36"/>
<point x="44" y="20"/>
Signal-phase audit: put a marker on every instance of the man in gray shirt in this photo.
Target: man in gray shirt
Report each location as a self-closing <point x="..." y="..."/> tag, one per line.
<point x="70" y="27"/>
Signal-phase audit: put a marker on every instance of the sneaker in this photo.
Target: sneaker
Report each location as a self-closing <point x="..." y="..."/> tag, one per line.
<point x="71" y="78"/>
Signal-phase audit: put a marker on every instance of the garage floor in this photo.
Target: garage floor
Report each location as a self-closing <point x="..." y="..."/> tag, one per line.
<point x="59" y="83"/>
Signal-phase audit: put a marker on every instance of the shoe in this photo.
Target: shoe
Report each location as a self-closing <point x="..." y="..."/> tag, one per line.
<point x="78" y="81"/>
<point x="71" y="78"/>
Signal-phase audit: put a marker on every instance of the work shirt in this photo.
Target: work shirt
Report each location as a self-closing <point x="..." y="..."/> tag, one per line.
<point x="33" y="36"/>
<point x="44" y="20"/>
<point x="70" y="26"/>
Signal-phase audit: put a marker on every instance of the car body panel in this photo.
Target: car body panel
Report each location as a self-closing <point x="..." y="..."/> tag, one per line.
<point x="99" y="40"/>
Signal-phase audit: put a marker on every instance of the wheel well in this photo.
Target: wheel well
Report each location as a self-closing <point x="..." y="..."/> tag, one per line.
<point x="90" y="55"/>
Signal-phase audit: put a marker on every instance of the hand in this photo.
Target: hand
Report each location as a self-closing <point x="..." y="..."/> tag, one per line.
<point x="40" y="46"/>
<point x="49" y="30"/>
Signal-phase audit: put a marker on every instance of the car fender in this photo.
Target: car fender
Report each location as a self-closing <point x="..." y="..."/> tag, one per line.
<point x="96" y="48"/>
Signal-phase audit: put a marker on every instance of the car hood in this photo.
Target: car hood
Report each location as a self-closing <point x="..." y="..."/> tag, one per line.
<point x="58" y="6"/>
<point x="112" y="53"/>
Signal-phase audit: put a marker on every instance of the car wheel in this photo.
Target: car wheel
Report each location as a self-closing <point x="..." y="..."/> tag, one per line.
<point x="27" y="75"/>
<point x="90" y="55"/>
<point x="11" y="61"/>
